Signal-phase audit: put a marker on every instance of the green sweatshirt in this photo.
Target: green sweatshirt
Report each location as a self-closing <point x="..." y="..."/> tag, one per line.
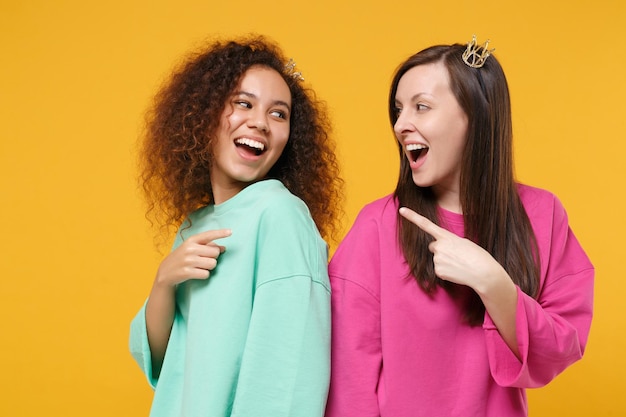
<point x="253" y="339"/>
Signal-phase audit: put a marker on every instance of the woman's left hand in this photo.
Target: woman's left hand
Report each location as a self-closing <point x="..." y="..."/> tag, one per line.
<point x="457" y="259"/>
<point x="463" y="262"/>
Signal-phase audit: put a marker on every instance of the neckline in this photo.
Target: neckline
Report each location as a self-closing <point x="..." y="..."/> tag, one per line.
<point x="240" y="198"/>
<point x="450" y="217"/>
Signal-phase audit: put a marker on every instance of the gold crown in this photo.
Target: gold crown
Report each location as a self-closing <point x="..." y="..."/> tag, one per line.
<point x="290" y="69"/>
<point x="475" y="55"/>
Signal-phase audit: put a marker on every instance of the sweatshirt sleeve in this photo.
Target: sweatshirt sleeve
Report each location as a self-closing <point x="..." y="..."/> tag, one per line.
<point x="552" y="330"/>
<point x="285" y="367"/>
<point x="138" y="338"/>
<point x="356" y="353"/>
<point x="139" y="347"/>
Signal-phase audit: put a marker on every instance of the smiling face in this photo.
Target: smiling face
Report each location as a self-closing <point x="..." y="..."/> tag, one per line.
<point x="432" y="129"/>
<point x="253" y="132"/>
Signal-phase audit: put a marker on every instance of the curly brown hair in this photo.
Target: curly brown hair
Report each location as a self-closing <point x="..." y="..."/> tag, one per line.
<point x="176" y="152"/>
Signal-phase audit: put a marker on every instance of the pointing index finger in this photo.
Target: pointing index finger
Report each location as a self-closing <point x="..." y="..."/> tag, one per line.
<point x="211" y="235"/>
<point x="423" y="223"/>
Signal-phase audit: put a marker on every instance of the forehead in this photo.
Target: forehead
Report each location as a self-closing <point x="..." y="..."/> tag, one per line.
<point x="264" y="83"/>
<point x="432" y="79"/>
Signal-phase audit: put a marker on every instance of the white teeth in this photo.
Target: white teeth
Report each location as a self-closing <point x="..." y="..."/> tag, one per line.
<point x="251" y="143"/>
<point x="415" y="147"/>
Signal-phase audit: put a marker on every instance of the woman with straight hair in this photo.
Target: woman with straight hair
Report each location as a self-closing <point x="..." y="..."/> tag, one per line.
<point x="461" y="289"/>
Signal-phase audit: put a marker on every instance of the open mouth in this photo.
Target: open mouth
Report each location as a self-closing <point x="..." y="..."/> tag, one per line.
<point x="250" y="146"/>
<point x="416" y="151"/>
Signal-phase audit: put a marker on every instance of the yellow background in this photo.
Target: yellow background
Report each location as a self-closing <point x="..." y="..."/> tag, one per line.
<point x="77" y="257"/>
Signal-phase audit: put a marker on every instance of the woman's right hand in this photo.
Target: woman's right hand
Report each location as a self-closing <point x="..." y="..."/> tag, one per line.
<point x="195" y="258"/>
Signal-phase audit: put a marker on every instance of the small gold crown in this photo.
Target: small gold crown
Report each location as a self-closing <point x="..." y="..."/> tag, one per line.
<point x="475" y="55"/>
<point x="290" y="69"/>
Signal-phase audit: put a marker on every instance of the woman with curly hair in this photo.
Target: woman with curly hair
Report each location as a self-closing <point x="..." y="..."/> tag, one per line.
<point x="237" y="154"/>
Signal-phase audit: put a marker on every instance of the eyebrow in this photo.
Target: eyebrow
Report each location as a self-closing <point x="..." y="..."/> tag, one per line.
<point x="275" y="102"/>
<point x="416" y="96"/>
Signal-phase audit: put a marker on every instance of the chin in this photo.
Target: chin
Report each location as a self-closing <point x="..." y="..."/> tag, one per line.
<point x="247" y="177"/>
<point x="421" y="182"/>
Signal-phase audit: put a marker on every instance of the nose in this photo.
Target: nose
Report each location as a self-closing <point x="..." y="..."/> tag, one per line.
<point x="258" y="120"/>
<point x="403" y="125"/>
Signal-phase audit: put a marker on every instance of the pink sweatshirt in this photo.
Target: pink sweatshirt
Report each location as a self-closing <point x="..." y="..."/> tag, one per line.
<point x="398" y="352"/>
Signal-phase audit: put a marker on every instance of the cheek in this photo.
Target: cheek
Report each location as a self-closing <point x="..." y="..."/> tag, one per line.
<point x="458" y="134"/>
<point x="280" y="147"/>
<point x="232" y="120"/>
<point x="223" y="129"/>
<point x="282" y="135"/>
<point x="457" y="148"/>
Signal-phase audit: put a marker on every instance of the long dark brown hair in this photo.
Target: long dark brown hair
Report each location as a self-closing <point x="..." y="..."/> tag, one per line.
<point x="177" y="149"/>
<point x="493" y="213"/>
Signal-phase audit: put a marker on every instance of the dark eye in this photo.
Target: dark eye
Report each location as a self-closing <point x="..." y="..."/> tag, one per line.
<point x="421" y="107"/>
<point x="397" y="111"/>
<point x="279" y="113"/>
<point x="243" y="103"/>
